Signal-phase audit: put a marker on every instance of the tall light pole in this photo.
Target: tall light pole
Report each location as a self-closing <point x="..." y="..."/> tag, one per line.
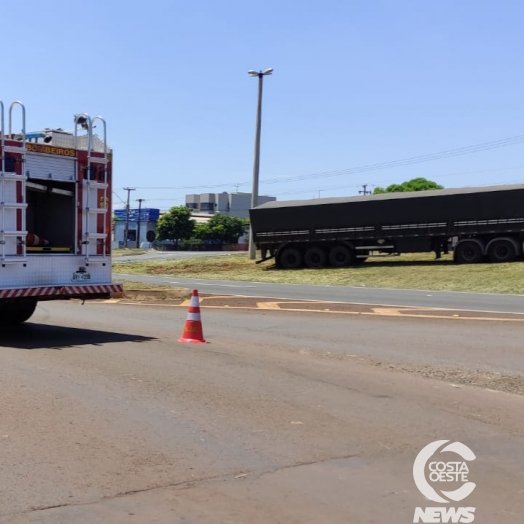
<point x="256" y="162"/>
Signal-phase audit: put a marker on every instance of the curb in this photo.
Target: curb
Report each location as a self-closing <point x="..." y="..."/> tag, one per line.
<point x="154" y="294"/>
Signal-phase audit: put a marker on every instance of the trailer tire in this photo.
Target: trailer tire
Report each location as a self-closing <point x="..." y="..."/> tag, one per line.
<point x="501" y="250"/>
<point x="315" y="258"/>
<point x="290" y="258"/>
<point x="13" y="314"/>
<point x="468" y="252"/>
<point x="340" y="256"/>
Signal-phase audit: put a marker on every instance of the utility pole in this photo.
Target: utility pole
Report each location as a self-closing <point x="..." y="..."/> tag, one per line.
<point x="140" y="200"/>
<point x="364" y="190"/>
<point x="126" y="232"/>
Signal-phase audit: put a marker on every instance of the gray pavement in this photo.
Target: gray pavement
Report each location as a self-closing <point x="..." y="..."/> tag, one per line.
<point x="355" y="295"/>
<point x="282" y="417"/>
<point x="152" y="254"/>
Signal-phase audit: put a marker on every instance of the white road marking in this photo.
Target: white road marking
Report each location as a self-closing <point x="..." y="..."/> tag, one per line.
<point x="223" y="285"/>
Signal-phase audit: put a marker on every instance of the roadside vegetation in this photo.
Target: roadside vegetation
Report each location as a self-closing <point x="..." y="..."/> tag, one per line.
<point x="419" y="271"/>
<point x="177" y="226"/>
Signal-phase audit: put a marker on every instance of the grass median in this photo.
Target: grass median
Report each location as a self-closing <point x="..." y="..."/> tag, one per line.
<point x="420" y="271"/>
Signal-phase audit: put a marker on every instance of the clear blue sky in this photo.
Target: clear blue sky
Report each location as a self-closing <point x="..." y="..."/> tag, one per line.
<point x="355" y="83"/>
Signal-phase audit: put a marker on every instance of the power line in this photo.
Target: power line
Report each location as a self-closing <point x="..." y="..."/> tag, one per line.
<point x="210" y="186"/>
<point x="430" y="157"/>
<point x="123" y="202"/>
<point x="406" y="161"/>
<point x="380" y="181"/>
<point x="392" y="180"/>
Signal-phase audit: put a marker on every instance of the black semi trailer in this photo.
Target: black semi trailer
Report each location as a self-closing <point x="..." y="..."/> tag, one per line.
<point x="477" y="223"/>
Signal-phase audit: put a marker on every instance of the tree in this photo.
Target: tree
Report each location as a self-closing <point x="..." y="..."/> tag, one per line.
<point x="176" y="224"/>
<point x="201" y="231"/>
<point x="416" y="184"/>
<point x="225" y="228"/>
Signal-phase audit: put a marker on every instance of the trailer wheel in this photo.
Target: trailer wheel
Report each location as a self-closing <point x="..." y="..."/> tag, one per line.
<point x="315" y="258"/>
<point x="468" y="252"/>
<point x="291" y="258"/>
<point x="12" y="314"/>
<point x="501" y="251"/>
<point x="340" y="256"/>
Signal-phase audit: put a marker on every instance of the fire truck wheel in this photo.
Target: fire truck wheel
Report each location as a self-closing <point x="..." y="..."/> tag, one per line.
<point x="12" y="314"/>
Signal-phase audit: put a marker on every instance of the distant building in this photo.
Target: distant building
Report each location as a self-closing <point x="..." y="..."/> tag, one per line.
<point x="234" y="204"/>
<point x="201" y="218"/>
<point x="142" y="229"/>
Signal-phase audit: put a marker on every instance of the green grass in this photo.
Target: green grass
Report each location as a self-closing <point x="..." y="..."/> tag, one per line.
<point x="419" y="271"/>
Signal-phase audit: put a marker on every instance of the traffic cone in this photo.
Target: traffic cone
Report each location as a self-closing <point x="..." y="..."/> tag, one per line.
<point x="34" y="240"/>
<point x="193" y="328"/>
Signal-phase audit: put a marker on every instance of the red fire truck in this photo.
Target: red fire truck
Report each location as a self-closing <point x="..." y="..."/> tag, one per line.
<point x="55" y="214"/>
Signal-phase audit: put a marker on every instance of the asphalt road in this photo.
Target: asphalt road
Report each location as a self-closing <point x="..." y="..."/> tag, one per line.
<point x="283" y="417"/>
<point x="162" y="255"/>
<point x="354" y="295"/>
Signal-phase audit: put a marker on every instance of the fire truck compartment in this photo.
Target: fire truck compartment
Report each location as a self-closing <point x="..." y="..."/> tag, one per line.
<point x="51" y="216"/>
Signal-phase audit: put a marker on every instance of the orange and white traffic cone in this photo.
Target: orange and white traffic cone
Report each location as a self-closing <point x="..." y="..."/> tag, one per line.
<point x="33" y="240"/>
<point x="193" y="328"/>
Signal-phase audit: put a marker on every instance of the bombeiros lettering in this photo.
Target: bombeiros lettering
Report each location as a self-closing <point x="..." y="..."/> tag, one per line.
<point x="50" y="150"/>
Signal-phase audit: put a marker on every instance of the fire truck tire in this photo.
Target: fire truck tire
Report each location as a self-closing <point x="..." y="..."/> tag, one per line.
<point x="13" y="314"/>
<point x="315" y="258"/>
<point x="290" y="258"/>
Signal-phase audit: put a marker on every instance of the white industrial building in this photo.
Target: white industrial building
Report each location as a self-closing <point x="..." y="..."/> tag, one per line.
<point x="234" y="204"/>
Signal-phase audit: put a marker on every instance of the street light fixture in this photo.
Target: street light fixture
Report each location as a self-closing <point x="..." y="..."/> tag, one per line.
<point x="256" y="163"/>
